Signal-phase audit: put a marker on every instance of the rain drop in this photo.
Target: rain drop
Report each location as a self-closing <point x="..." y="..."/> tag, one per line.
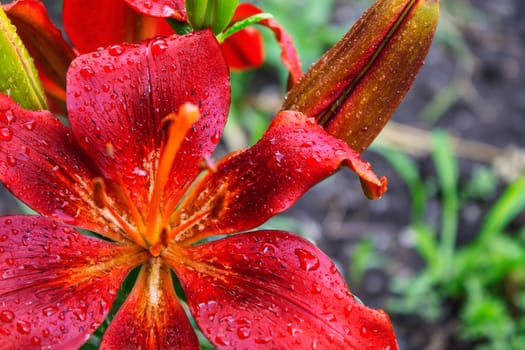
<point x="11" y="161"/>
<point x="108" y="68"/>
<point x="29" y="125"/>
<point x="87" y="72"/>
<point x="7" y="316"/>
<point x="49" y="310"/>
<point x="36" y="341"/>
<point x="158" y="46"/>
<point x="6" y="134"/>
<point x="307" y="260"/>
<point x="243" y="332"/>
<point x="116" y="50"/>
<point x="23" y="327"/>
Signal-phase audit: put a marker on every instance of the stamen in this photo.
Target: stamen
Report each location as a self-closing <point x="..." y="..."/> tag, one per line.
<point x="101" y="200"/>
<point x="178" y="126"/>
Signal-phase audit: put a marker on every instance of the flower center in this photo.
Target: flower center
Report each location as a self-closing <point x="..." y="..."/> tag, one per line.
<point x="151" y="231"/>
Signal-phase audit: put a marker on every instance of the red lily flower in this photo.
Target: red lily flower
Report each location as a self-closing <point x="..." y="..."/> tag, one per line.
<point x="142" y="118"/>
<point x="100" y="23"/>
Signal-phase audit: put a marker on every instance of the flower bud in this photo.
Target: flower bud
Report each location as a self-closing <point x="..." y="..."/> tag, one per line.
<point x="214" y="14"/>
<point x="354" y="89"/>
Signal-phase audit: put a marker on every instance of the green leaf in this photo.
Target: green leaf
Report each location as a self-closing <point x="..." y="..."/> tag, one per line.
<point x="510" y="204"/>
<point x="447" y="172"/>
<point x="18" y="75"/>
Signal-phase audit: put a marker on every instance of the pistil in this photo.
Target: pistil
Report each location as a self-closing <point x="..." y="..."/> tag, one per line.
<point x="177" y="125"/>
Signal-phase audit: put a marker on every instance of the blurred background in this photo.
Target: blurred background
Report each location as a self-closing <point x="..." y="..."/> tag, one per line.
<point x="443" y="252"/>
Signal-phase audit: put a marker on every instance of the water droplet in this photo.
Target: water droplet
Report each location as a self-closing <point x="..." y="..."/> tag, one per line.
<point x="307" y="260"/>
<point x="3" y="238"/>
<point x="243" y="332"/>
<point x="11" y="161"/>
<point x="49" y="310"/>
<point x="105" y="87"/>
<point x="36" y="341"/>
<point x="328" y="316"/>
<point x="9" y="261"/>
<point x="147" y="4"/>
<point x="23" y="327"/>
<point x="7" y="316"/>
<point x="293" y="330"/>
<point x="316" y="288"/>
<point x="8" y="221"/>
<point x="87" y="72"/>
<point x="6" y="134"/>
<point x="9" y="117"/>
<point x="116" y="50"/>
<point x="158" y="46"/>
<point x="268" y="248"/>
<point x="45" y="332"/>
<point x="220" y="340"/>
<point x="109" y="67"/>
<point x="29" y="125"/>
<point x="216" y="137"/>
<point x="263" y="339"/>
<point x="79" y="312"/>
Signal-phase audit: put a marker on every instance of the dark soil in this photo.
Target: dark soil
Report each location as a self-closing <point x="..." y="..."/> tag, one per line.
<point x="490" y="108"/>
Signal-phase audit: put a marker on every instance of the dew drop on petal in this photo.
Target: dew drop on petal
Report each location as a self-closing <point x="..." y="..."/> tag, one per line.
<point x="243" y="332"/>
<point x="307" y="260"/>
<point x="29" y="125"/>
<point x="220" y="340"/>
<point x="87" y="72"/>
<point x="109" y="67"/>
<point x="23" y="327"/>
<point x="6" y="134"/>
<point x="49" y="310"/>
<point x="7" y="316"/>
<point x="158" y="46"/>
<point x="116" y="50"/>
<point x="36" y="341"/>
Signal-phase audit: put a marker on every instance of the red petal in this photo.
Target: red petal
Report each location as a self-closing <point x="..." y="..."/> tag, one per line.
<point x="57" y="285"/>
<point x="117" y="98"/>
<point x="160" y="8"/>
<point x="99" y="23"/>
<point x="244" y="49"/>
<point x="275" y="290"/>
<point x="95" y="23"/>
<point x="251" y="186"/>
<point x="44" y="41"/>
<point x="288" y="53"/>
<point x="151" y="317"/>
<point x="43" y="166"/>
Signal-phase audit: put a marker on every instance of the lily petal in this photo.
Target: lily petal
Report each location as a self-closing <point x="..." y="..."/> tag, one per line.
<point x="160" y="8"/>
<point x="42" y="165"/>
<point x="118" y="97"/>
<point x="151" y="317"/>
<point x="275" y="290"/>
<point x="253" y="185"/>
<point x="288" y="52"/>
<point x="45" y="43"/>
<point x="57" y="285"/>
<point x="244" y="49"/>
<point x="99" y="23"/>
